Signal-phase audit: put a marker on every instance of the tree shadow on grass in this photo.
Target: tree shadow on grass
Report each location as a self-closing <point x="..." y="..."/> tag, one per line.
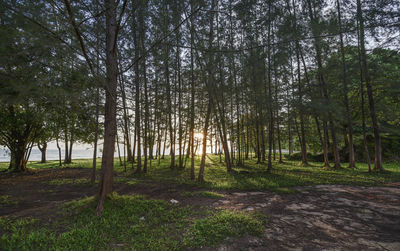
<point x="262" y="180"/>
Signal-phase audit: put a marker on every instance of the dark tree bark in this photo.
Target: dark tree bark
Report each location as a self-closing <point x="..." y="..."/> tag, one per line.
<point x="271" y="116"/>
<point x="43" y="149"/>
<point x="304" y="161"/>
<point x="119" y="152"/>
<point x="367" y="155"/>
<point x="300" y="88"/>
<point x="352" y="161"/>
<point x="59" y="152"/>
<point x="96" y="137"/>
<point x="66" y="153"/>
<point x="146" y="119"/>
<point x="110" y="123"/>
<point x="125" y="119"/>
<point x="137" y="90"/>
<point x="142" y="35"/>
<point x="192" y="97"/>
<point x="364" y="64"/>
<point x="19" y="140"/>
<point x="204" y="144"/>
<point x="257" y="133"/>
<point x="322" y="83"/>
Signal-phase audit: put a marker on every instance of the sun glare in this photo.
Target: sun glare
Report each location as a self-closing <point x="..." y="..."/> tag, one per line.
<point x="198" y="135"/>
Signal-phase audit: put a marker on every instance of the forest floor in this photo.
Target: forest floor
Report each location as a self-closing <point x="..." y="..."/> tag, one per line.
<point x="53" y="207"/>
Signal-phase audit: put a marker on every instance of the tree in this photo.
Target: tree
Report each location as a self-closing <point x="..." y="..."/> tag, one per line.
<point x="110" y="124"/>
<point x="366" y="78"/>
<point x="20" y="127"/>
<point x="352" y="163"/>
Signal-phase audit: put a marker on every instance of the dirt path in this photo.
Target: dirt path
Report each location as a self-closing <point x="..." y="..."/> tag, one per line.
<point x="324" y="217"/>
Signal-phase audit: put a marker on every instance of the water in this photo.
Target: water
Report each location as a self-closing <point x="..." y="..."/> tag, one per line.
<point x="51" y="154"/>
<point x="78" y="153"/>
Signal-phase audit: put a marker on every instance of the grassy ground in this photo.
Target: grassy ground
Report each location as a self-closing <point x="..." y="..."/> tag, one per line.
<point x="251" y="176"/>
<point x="136" y="222"/>
<point x="128" y="222"/>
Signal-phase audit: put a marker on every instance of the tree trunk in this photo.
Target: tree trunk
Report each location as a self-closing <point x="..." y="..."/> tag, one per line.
<point x="146" y="95"/>
<point x="119" y="152"/>
<point x="303" y="145"/>
<point x="18" y="161"/>
<point x="204" y="146"/>
<point x="96" y="137"/>
<point x="165" y="143"/>
<point x="278" y="130"/>
<point x="246" y="155"/>
<point x="18" y="149"/>
<point x="125" y="119"/>
<point x="352" y="161"/>
<point x="110" y="123"/>
<point x="299" y="55"/>
<point x="134" y="145"/>
<point x="323" y="85"/>
<point x="192" y="96"/>
<point x="59" y="152"/>
<point x="258" y="141"/>
<point x="367" y="156"/>
<point x="66" y="153"/>
<point x="271" y="116"/>
<point x="71" y="142"/>
<point x="124" y="145"/>
<point x="375" y="126"/>
<point x="180" y="127"/>
<point x="43" y="151"/>
<point x="137" y="91"/>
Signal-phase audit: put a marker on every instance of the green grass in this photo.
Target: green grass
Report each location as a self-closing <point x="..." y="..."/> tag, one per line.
<point x="207" y="194"/>
<point x="282" y="179"/>
<point x="4" y="166"/>
<point x="138" y="223"/>
<point x="67" y="181"/>
<point x="76" y="163"/>
<point x="220" y="225"/>
<point x="128" y="222"/>
<point x="7" y="200"/>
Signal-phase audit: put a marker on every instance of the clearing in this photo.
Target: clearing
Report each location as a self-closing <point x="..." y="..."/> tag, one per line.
<point x="294" y="208"/>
